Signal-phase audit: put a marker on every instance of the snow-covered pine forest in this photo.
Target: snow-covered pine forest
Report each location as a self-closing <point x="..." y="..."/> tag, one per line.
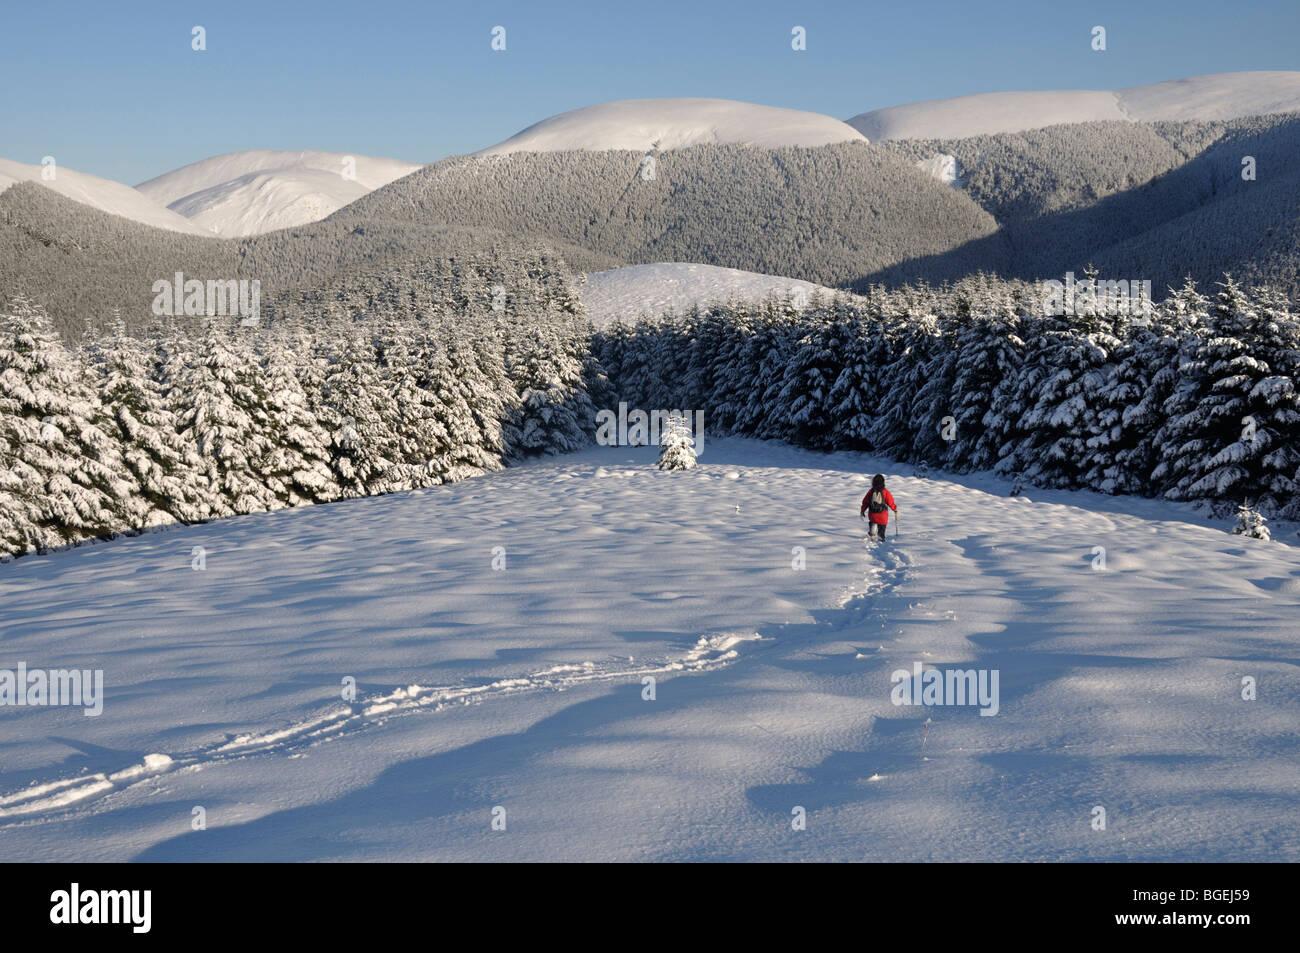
<point x="1196" y="401"/>
<point x="197" y="421"/>
<point x="206" y="420"/>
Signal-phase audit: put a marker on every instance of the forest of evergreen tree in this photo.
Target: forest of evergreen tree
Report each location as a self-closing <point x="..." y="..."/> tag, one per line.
<point x="1196" y="401"/>
<point x="200" y="420"/>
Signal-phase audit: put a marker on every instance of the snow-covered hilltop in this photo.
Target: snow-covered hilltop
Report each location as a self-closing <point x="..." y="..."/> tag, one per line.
<point x="103" y="194"/>
<point x="240" y="193"/>
<point x="642" y="124"/>
<point x="621" y="294"/>
<point x="1215" y="96"/>
<point x="247" y="193"/>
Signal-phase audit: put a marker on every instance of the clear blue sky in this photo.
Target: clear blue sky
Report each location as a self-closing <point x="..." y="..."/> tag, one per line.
<point x="113" y="88"/>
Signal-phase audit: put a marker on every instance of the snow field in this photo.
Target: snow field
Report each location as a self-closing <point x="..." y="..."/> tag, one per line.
<point x="622" y="294"/>
<point x="1119" y="687"/>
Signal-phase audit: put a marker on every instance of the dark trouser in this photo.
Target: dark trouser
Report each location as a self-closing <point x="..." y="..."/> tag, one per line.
<point x="879" y="526"/>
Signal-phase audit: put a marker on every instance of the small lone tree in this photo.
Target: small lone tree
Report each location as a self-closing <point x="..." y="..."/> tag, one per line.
<point x="677" y="446"/>
<point x="1250" y="522"/>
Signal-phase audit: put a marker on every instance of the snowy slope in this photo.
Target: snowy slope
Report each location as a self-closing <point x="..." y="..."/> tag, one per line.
<point x="1216" y="96"/>
<point x="103" y="194"/>
<point x="625" y="293"/>
<point x="524" y="688"/>
<point x="247" y="193"/>
<point x="943" y="167"/>
<point x="642" y="124"/>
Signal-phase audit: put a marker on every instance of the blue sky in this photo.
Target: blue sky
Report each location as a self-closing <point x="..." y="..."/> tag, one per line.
<point x="114" y="88"/>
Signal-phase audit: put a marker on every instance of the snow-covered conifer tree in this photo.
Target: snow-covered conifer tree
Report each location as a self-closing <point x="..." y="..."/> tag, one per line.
<point x="855" y="395"/>
<point x="296" y="463"/>
<point x="809" y="376"/>
<point x="1231" y="423"/>
<point x="730" y="372"/>
<point x="554" y="414"/>
<point x="989" y="351"/>
<point x="167" y="471"/>
<point x="217" y="406"/>
<point x="931" y="415"/>
<point x="1251" y="523"/>
<point x="1063" y="419"/>
<point x="64" y="478"/>
<point x="676" y="446"/>
<point x="903" y="378"/>
<point x="765" y="416"/>
<point x="360" y="414"/>
<point x="472" y="385"/>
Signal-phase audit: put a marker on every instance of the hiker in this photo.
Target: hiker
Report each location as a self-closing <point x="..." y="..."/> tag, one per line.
<point x="877" y="504"/>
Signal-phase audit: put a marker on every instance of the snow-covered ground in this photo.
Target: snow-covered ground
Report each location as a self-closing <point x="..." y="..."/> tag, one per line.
<point x="522" y="688"/>
<point x="103" y="194"/>
<point x="643" y="124"/>
<point x="1215" y="96"/>
<point x="259" y="190"/>
<point x="625" y="293"/>
<point x="943" y="167"/>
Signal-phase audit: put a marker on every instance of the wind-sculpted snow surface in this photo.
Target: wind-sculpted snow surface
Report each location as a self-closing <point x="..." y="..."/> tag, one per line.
<point x="522" y="694"/>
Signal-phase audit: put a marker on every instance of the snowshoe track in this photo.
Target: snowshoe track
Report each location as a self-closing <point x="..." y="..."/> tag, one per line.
<point x="709" y="652"/>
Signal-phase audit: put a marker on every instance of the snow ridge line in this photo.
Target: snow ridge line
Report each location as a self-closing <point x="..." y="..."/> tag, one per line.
<point x="709" y="652"/>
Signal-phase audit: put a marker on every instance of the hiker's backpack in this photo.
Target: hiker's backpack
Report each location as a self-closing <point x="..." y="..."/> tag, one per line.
<point x="876" y="502"/>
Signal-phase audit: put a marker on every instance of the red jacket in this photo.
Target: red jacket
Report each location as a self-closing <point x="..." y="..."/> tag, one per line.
<point x="882" y="517"/>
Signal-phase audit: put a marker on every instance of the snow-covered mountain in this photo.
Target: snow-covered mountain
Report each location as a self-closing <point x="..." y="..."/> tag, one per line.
<point x="247" y="193"/>
<point x="103" y="194"/>
<point x="625" y="293"/>
<point x="642" y="124"/>
<point x="1215" y="96"/>
<point x="830" y="214"/>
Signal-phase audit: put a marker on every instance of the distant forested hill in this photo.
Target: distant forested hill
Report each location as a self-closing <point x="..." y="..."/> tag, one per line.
<point x="828" y="214"/>
<point x="1141" y="201"/>
<point x="1155" y="201"/>
<point x="81" y="264"/>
